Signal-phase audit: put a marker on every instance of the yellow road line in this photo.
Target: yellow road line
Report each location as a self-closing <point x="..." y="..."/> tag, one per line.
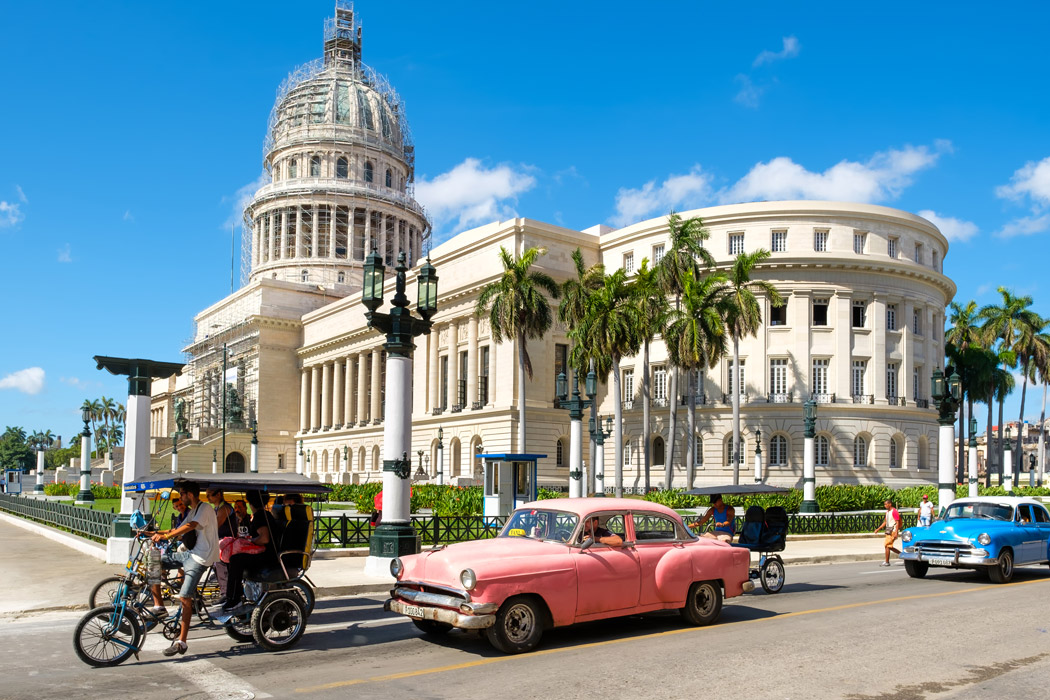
<point x="654" y="635"/>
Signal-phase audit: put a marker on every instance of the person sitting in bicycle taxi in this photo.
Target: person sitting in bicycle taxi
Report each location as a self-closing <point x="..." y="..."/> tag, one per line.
<point x="724" y="518"/>
<point x="199" y="534"/>
<point x="259" y="532"/>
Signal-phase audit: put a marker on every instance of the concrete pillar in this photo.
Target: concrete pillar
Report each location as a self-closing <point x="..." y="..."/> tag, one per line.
<point x="576" y="457"/>
<point x="338" y="391"/>
<point x="304" y="400"/>
<point x="433" y="341"/>
<point x="326" y="396"/>
<point x="599" y="470"/>
<point x="877" y="366"/>
<point x="945" y="466"/>
<point x="39" y="487"/>
<point x="972" y="490"/>
<point x="376" y="409"/>
<point x="254" y="463"/>
<point x="841" y="315"/>
<point x="136" y="445"/>
<point x="758" y="465"/>
<point x="315" y="397"/>
<point x="1008" y="467"/>
<point x="361" y="388"/>
<point x="453" y="363"/>
<point x="348" y="391"/>
<point x="472" y="360"/>
<point x="809" y="477"/>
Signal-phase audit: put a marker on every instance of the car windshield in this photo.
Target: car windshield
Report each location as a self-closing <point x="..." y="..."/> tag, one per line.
<point x="988" y="511"/>
<point x="537" y="524"/>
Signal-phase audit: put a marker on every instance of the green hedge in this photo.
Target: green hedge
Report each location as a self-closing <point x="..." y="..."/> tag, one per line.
<point x="443" y="500"/>
<point x="63" y="488"/>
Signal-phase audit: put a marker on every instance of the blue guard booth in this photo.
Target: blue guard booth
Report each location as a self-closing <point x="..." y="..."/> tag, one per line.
<point x="510" y="481"/>
<point x="13" y="481"/>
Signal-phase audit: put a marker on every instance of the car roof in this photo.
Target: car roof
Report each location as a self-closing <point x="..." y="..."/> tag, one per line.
<point x="1012" y="501"/>
<point x="583" y="506"/>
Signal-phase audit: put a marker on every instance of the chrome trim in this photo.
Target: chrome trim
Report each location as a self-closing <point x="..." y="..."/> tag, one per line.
<point x="434" y="586"/>
<point x="427" y="598"/>
<point x="973" y="558"/>
<point x="451" y="617"/>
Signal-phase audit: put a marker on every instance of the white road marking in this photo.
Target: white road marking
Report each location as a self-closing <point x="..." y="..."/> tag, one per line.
<point x="214" y="680"/>
<point x="883" y="570"/>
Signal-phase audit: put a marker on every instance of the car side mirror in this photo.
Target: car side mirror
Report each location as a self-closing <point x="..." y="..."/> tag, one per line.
<point x="586" y="544"/>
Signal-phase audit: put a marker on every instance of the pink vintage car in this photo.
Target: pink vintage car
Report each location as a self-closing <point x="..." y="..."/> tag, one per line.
<point x="545" y="569"/>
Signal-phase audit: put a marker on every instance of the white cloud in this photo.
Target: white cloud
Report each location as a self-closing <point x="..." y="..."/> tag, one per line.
<point x="10" y="214"/>
<point x="21" y="195"/>
<point x="882" y="177"/>
<point x="28" y="381"/>
<point x="676" y="192"/>
<point x="472" y="194"/>
<point x="128" y="216"/>
<point x="790" y="50"/>
<point x="1029" y="184"/>
<point x="240" y="200"/>
<point x="952" y="228"/>
<point x="77" y="382"/>
<point x="65" y="254"/>
<point x="749" y="94"/>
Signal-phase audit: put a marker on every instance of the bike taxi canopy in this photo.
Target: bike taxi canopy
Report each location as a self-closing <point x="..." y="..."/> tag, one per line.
<point x="270" y="483"/>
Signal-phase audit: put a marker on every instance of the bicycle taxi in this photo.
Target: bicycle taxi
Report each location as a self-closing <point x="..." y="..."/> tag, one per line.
<point x="764" y="531"/>
<point x="278" y="600"/>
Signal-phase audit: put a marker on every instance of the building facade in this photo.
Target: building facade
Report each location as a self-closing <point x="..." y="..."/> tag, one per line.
<point x="861" y="330"/>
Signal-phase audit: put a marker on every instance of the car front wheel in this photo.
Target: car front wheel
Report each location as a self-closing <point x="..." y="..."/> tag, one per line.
<point x="916" y="569"/>
<point x="1004" y="570"/>
<point x="704" y="603"/>
<point x="519" y="626"/>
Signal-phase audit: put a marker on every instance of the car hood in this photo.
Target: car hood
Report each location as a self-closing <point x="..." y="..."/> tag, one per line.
<point x="956" y="529"/>
<point x="494" y="558"/>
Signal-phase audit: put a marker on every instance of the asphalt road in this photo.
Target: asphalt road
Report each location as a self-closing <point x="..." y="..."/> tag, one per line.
<point x="852" y="631"/>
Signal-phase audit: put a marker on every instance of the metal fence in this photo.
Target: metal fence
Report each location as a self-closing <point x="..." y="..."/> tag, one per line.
<point x="837" y="523"/>
<point x="94" y="524"/>
<point x="350" y="530"/>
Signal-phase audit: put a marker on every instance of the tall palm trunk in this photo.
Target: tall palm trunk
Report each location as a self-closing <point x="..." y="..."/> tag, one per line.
<point x="646" y="454"/>
<point x="672" y="396"/>
<point x="961" y="434"/>
<point x="1018" y="454"/>
<point x="690" y="452"/>
<point x="1002" y="444"/>
<point x="618" y="435"/>
<point x="1042" y="437"/>
<point x="988" y="447"/>
<point x="736" y="387"/>
<point x="521" y="393"/>
<point x="593" y="446"/>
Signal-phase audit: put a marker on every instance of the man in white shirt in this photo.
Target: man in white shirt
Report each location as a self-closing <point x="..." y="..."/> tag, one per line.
<point x="200" y="519"/>
<point x="925" y="511"/>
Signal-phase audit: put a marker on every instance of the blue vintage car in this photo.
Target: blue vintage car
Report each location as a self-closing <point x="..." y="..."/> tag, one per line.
<point x="993" y="533"/>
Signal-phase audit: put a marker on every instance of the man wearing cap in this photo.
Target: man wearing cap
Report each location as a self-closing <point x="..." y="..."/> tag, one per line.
<point x="925" y="511"/>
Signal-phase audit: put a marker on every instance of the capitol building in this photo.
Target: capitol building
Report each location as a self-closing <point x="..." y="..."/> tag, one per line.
<point x="291" y="354"/>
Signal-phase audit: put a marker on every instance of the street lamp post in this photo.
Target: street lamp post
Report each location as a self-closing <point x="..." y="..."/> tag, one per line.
<point x="1008" y="464"/>
<point x="441" y="458"/>
<point x="41" y="449"/>
<point x="214" y="462"/>
<point x="395" y="535"/>
<point x="946" y="390"/>
<point x="299" y="459"/>
<point x="576" y="406"/>
<point x="758" y="455"/>
<point x="85" y="495"/>
<point x="254" y="466"/>
<point x="1031" y="470"/>
<point x="175" y="453"/>
<point x="599" y="434"/>
<point x="972" y="490"/>
<point x="809" y="464"/>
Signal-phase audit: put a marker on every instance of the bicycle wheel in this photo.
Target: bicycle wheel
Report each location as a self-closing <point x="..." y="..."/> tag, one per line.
<point x="278" y="621"/>
<point x="306" y="592"/>
<point x="106" y="636"/>
<point x="106" y="590"/>
<point x="240" y="628"/>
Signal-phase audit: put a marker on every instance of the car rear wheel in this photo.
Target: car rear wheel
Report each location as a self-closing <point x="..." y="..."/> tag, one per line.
<point x="1003" y="572"/>
<point x="432" y="627"/>
<point x="519" y="626"/>
<point x="916" y="569"/>
<point x="704" y="603"/>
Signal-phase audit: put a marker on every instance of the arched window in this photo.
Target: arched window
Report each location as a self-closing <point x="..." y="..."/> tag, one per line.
<point x="389" y="178"/>
<point x="698" y="452"/>
<point x="658" y="451"/>
<point x="860" y="452"/>
<point x="924" y="456"/>
<point x="895" y="460"/>
<point x="304" y="276"/>
<point x="822" y="451"/>
<point x="369" y="171"/>
<point x="342" y="168"/>
<point x="375" y="458"/>
<point x="778" y="451"/>
<point x="315" y="166"/>
<point x="293" y="167"/>
<point x="741" y="452"/>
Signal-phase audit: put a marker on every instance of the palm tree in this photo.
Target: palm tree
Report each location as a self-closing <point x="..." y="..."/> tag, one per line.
<point x="685" y="253"/>
<point x="518" y="310"/>
<point x="1042" y="364"/>
<point x="609" y="330"/>
<point x="108" y="412"/>
<point x="964" y="332"/>
<point x="652" y="308"/>
<point x="696" y="340"/>
<point x="743" y="318"/>
<point x="1014" y="325"/>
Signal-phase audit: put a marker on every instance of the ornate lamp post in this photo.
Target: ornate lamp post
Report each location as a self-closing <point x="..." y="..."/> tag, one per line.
<point x="809" y="463"/>
<point x="972" y="490"/>
<point x="599" y="434"/>
<point x="41" y="449"/>
<point x="395" y="535"/>
<point x="254" y="466"/>
<point x="85" y="495"/>
<point x="214" y="462"/>
<point x="946" y="390"/>
<point x="576" y="406"/>
<point x="426" y="463"/>
<point x="299" y="459"/>
<point x="441" y="458"/>
<point x="175" y="453"/>
<point x="1008" y="464"/>
<point x="1031" y="470"/>
<point x="758" y="455"/>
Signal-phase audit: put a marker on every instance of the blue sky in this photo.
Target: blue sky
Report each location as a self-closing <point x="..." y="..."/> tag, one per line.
<point x="131" y="131"/>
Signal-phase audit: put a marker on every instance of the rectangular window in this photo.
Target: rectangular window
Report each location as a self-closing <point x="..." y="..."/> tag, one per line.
<point x="820" y="312"/>
<point x="936" y="260"/>
<point x="778" y="315"/>
<point x="628" y="453"/>
<point x="891" y="249"/>
<point x="736" y="243"/>
<point x="444" y="382"/>
<point x="859" y="242"/>
<point x="891" y="317"/>
<point x="628" y="385"/>
<point x="779" y="243"/>
<point x="658" y="253"/>
<point x="916" y="321"/>
<point x="860" y="371"/>
<point x="659" y="384"/>
<point x="919" y="257"/>
<point x="820" y="376"/>
<point x="464" y="364"/>
<point x="860" y="313"/>
<point x="360" y="218"/>
<point x="306" y="232"/>
<point x="891" y="380"/>
<point x="743" y="379"/>
<point x="698" y="451"/>
<point x="483" y="375"/>
<point x="778" y="376"/>
<point x="916" y="385"/>
<point x="342" y="228"/>
<point x="628" y="262"/>
<point x="280" y="460"/>
<point x="559" y="458"/>
<point x="820" y="241"/>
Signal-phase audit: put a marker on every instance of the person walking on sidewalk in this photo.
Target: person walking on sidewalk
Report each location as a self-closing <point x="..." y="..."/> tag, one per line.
<point x="925" y="511"/>
<point x="891" y="524"/>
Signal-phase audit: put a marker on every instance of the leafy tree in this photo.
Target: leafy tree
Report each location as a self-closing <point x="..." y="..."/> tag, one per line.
<point x="517" y="309"/>
<point x="15" y="453"/>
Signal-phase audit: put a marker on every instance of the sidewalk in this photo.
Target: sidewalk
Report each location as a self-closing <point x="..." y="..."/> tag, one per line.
<point x="41" y="574"/>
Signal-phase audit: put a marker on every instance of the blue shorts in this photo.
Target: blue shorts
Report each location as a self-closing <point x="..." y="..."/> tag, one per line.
<point x="192" y="571"/>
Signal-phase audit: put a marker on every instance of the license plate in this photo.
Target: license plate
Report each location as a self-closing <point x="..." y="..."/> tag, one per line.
<point x="940" y="562"/>
<point x="412" y="610"/>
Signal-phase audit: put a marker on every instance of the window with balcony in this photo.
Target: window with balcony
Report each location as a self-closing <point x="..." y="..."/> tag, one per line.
<point x="891" y="317"/>
<point x="860" y="313"/>
<point x="916" y="385"/>
<point x="628" y="262"/>
<point x="736" y="243"/>
<point x="779" y="242"/>
<point x="778" y="314"/>
<point x="561" y="363"/>
<point x="820" y="375"/>
<point x="483" y="375"/>
<point x="734" y="386"/>
<point x="444" y="383"/>
<point x="660" y="384"/>
<point x="778" y="376"/>
<point x="778" y="451"/>
<point x="822" y="451"/>
<point x="860" y="370"/>
<point x="891" y="380"/>
<point x="820" y="312"/>
<point x="820" y="241"/>
<point x="293" y="167"/>
<point x="860" y="241"/>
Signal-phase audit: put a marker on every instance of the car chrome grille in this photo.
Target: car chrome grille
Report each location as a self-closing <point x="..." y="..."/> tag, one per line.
<point x="943" y="549"/>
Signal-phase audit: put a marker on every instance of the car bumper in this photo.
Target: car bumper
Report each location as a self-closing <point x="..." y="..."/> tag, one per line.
<point x="971" y="560"/>
<point x="452" y="610"/>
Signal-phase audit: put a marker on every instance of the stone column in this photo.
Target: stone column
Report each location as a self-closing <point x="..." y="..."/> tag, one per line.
<point x="298" y="231"/>
<point x="434" y="339"/>
<point x="326" y="396"/>
<point x="472" y="360"/>
<point x="304" y="401"/>
<point x="338" y="388"/>
<point x="376" y="409"/>
<point x="842" y="317"/>
<point x="39" y="487"/>
<point x="878" y="348"/>
<point x="453" y="363"/>
<point x="315" y="397"/>
<point x="907" y="354"/>
<point x="348" y="391"/>
<point x="362" y="388"/>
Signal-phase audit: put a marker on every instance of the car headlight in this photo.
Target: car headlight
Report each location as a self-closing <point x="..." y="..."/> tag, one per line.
<point x="396" y="568"/>
<point x="468" y="578"/>
<point x="906" y="537"/>
<point x="984" y="539"/>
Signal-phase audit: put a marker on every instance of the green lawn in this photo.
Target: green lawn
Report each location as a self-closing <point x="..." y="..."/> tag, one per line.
<point x="109" y="505"/>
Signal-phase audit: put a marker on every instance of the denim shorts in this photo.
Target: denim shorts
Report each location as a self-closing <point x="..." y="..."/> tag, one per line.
<point x="192" y="571"/>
